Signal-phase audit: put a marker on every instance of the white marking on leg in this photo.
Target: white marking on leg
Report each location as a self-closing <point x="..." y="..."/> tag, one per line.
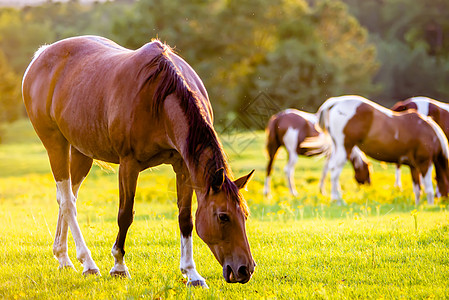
<point x="60" y="244"/>
<point x="119" y="267"/>
<point x="291" y="144"/>
<point x="267" y="186"/>
<point x="397" y="182"/>
<point x="336" y="165"/>
<point x="67" y="208"/>
<point x="428" y="185"/>
<point x="187" y="265"/>
<point x="417" y="192"/>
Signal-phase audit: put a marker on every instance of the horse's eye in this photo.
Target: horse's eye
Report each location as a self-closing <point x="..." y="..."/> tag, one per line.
<point x="223" y="217"/>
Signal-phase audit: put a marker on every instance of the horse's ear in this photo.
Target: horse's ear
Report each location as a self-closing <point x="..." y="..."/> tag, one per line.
<point x="218" y="179"/>
<point x="243" y="181"/>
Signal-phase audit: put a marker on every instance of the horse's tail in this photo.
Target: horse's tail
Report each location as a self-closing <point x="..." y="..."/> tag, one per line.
<point x="271" y="132"/>
<point x="441" y="159"/>
<point x="322" y="143"/>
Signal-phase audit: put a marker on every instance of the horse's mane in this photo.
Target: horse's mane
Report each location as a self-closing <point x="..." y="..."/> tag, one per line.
<point x="202" y="136"/>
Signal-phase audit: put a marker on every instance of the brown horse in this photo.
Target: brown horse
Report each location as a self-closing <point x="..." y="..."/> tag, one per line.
<point x="406" y="138"/>
<point x="290" y="128"/>
<point x="438" y="111"/>
<point x="89" y="98"/>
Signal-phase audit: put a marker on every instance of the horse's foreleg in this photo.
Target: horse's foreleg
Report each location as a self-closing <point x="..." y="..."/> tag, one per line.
<point x="58" y="155"/>
<point x="397" y="182"/>
<point x="428" y="185"/>
<point x="416" y="178"/>
<point x="184" y="192"/>
<point x="128" y="173"/>
<point x="290" y="170"/>
<point x="336" y="164"/>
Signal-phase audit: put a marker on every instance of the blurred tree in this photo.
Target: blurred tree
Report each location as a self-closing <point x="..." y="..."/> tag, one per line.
<point x="322" y="53"/>
<point x="412" y="40"/>
<point x="10" y="104"/>
<point x="298" y="53"/>
<point x="20" y="37"/>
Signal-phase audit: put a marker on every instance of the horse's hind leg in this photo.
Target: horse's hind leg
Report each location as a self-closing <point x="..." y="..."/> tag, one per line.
<point x="290" y="170"/>
<point x="272" y="149"/>
<point x="80" y="166"/>
<point x="291" y="144"/>
<point x="58" y="153"/>
<point x="416" y="178"/>
<point x="428" y="185"/>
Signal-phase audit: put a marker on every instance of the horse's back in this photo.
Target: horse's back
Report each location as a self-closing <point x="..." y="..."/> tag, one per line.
<point x="294" y="119"/>
<point x="91" y="91"/>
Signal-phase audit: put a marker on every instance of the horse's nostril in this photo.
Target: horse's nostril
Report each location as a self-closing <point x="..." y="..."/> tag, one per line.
<point x="243" y="271"/>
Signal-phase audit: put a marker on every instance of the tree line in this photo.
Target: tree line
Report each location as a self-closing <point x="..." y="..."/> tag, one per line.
<point x="297" y="52"/>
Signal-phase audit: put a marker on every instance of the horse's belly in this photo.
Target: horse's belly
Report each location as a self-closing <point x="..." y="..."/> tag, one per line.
<point x="96" y="148"/>
<point x="383" y="152"/>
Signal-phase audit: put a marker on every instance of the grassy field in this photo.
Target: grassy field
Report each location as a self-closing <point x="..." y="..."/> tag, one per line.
<point x="378" y="246"/>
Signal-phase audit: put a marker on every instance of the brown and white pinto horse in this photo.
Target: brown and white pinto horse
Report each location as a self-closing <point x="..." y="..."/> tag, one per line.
<point x="406" y="138"/>
<point x="438" y="111"/>
<point x="89" y="98"/>
<point x="289" y="128"/>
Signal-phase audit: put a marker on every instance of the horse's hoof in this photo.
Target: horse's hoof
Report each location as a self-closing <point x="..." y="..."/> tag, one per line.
<point x="92" y="272"/>
<point x="120" y="274"/>
<point x="198" y="283"/>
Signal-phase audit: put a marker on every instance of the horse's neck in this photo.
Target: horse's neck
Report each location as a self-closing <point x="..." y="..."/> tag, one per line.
<point x="202" y="168"/>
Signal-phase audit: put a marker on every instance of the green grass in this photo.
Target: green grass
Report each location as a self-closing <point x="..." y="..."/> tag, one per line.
<point x="305" y="247"/>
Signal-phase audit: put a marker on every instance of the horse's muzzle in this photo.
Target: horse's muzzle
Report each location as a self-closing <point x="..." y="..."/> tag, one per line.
<point x="242" y="275"/>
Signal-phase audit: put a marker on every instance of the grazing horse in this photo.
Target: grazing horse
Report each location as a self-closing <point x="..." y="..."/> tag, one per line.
<point x="289" y="128"/>
<point x="89" y="98"/>
<point x="438" y="111"/>
<point x="406" y="138"/>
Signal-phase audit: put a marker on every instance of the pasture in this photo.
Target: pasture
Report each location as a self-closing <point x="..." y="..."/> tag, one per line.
<point x="378" y="246"/>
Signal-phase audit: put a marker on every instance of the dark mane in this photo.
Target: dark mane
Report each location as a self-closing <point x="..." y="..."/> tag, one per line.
<point x="202" y="136"/>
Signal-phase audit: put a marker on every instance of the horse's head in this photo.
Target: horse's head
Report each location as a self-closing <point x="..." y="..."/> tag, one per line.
<point x="220" y="223"/>
<point x="362" y="167"/>
<point x="362" y="173"/>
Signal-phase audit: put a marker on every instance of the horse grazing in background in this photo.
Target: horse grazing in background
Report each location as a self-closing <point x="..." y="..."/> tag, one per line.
<point x="438" y="111"/>
<point x="407" y="138"/>
<point x="289" y="128"/>
<point x="89" y="98"/>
